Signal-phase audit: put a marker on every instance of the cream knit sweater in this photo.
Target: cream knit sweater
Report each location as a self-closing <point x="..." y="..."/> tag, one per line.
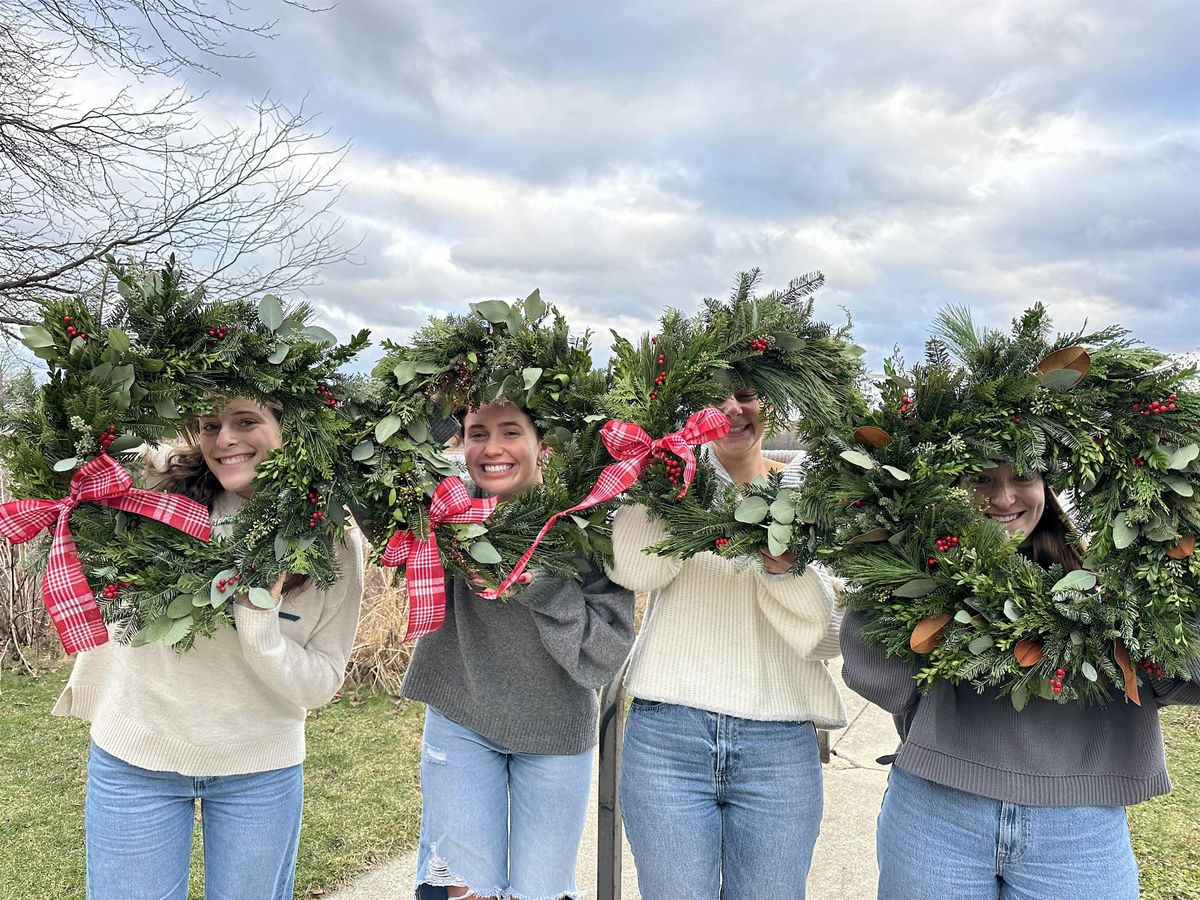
<point x="726" y="636"/>
<point x="236" y="702"/>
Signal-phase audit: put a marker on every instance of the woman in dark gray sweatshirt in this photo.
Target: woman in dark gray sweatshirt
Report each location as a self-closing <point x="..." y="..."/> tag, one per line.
<point x="510" y="687"/>
<point x="984" y="801"/>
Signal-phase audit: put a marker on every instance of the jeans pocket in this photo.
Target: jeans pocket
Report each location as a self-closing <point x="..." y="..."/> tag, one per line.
<point x="646" y="705"/>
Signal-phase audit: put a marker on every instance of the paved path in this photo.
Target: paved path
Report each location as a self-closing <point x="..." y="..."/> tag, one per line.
<point x="844" y="861"/>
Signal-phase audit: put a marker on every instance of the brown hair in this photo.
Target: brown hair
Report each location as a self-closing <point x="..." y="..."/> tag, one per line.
<point x="1053" y="536"/>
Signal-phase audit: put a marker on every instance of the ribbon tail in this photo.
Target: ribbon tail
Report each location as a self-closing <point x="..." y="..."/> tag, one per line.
<point x="426" y="586"/>
<point x="68" y="596"/>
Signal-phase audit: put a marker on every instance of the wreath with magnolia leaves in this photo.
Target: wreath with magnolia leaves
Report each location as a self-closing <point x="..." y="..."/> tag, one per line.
<point x="1111" y="425"/>
<point x="134" y="374"/>
<point x="805" y="372"/>
<point x="520" y="353"/>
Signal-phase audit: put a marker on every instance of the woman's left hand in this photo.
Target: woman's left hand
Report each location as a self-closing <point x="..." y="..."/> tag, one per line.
<point x="276" y="595"/>
<point x="777" y="565"/>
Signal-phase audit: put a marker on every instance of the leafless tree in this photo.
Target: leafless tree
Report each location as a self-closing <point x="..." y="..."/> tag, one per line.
<point x="247" y="202"/>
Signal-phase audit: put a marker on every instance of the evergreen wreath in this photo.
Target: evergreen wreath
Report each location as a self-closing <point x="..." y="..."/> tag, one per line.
<point x="1112" y="427"/>
<point x="520" y="353"/>
<point x="805" y="373"/>
<point x="138" y="373"/>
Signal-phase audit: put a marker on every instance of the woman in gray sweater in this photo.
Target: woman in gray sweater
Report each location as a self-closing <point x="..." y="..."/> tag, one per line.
<point x="984" y="801"/>
<point x="510" y="688"/>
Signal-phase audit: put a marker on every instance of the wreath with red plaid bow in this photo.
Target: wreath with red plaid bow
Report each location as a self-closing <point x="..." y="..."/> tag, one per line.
<point x="133" y="374"/>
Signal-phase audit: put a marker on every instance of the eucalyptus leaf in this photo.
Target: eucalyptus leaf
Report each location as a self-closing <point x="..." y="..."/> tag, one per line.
<point x="1088" y="670"/>
<point x="963" y="616"/>
<point x="270" y="312"/>
<point x="1124" y="532"/>
<point x="580" y="521"/>
<point x="261" y="598"/>
<point x="1010" y="611"/>
<point x="102" y="374"/>
<point x="1183" y="456"/>
<point x="778" y="536"/>
<point x="752" y="510"/>
<point x="898" y="474"/>
<point x="319" y="335"/>
<point x="1076" y="638"/>
<point x="155" y="631"/>
<point x="494" y="311"/>
<point x="535" y="306"/>
<point x="122" y="376"/>
<point x="858" y="458"/>
<point x="1019" y="697"/>
<point x="386" y="427"/>
<point x="35" y="337"/>
<point x="180" y="606"/>
<point x="782" y="510"/>
<point x="362" y="451"/>
<point x="125" y="442"/>
<point x="1079" y="580"/>
<point x="484" y="552"/>
<point x="980" y="644"/>
<point x="531" y="376"/>
<point x="279" y="354"/>
<point x="180" y="628"/>
<point x="425" y="367"/>
<point x="418" y="430"/>
<point x="66" y="465"/>
<point x="1179" y="485"/>
<point x="215" y="595"/>
<point x="918" y="587"/>
<point x="789" y="342"/>
<point x="281" y="546"/>
<point x="404" y="373"/>
<point x="118" y="341"/>
<point x="165" y="407"/>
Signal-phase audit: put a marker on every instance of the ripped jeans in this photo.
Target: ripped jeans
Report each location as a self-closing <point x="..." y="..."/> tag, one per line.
<point x="504" y="824"/>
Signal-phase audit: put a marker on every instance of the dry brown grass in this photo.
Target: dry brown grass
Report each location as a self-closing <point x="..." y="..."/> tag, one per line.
<point x="379" y="658"/>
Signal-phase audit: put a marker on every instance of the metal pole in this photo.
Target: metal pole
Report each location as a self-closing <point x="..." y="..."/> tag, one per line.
<point x="608" y="830"/>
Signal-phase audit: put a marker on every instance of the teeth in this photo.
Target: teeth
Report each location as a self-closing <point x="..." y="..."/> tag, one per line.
<point x="236" y="460"/>
<point x="1007" y="517"/>
<point x="739" y="429"/>
<point x="504" y="467"/>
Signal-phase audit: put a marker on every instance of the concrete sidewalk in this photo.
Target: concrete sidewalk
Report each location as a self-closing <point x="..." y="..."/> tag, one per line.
<point x="844" y="860"/>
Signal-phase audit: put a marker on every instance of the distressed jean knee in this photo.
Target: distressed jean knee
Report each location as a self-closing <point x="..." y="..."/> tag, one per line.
<point x="435" y="755"/>
<point x="439" y="874"/>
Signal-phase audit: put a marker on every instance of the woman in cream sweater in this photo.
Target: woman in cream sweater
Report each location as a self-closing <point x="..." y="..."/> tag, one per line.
<point x="222" y="723"/>
<point x="721" y="787"/>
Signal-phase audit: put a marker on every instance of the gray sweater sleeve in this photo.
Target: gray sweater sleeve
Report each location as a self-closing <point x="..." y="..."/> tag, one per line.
<point x="870" y="672"/>
<point x="586" y="627"/>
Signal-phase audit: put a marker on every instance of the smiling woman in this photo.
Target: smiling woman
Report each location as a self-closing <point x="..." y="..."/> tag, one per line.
<point x="236" y="439"/>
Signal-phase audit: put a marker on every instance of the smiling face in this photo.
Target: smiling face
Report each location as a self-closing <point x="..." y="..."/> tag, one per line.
<point x="236" y="440"/>
<point x="1015" y="501"/>
<point x="502" y="447"/>
<point x="745" y="429"/>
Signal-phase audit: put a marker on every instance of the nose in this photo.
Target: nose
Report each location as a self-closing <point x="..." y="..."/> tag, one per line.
<point x="226" y="437"/>
<point x="1003" y="496"/>
<point x="730" y="407"/>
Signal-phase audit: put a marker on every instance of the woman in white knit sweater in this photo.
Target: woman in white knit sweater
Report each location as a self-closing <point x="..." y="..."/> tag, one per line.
<point x="222" y="723"/>
<point x="721" y="789"/>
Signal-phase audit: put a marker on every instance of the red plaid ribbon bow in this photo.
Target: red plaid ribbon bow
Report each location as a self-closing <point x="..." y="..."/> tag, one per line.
<point x="65" y="590"/>
<point x="423" y="570"/>
<point x="634" y="449"/>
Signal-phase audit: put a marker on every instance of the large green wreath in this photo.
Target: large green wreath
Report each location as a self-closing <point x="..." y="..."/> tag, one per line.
<point x="520" y="353"/>
<point x="134" y="373"/>
<point x="1113" y="428"/>
<point x="805" y="372"/>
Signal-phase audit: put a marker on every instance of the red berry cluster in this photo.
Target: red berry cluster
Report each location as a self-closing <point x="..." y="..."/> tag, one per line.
<point x="674" y="469"/>
<point x="1139" y="460"/>
<point x="721" y="542"/>
<point x="1017" y="419"/>
<point x="72" y="331"/>
<point x="661" y="378"/>
<point x="857" y="504"/>
<point x="906" y="404"/>
<point x="1150" y="667"/>
<point x="219" y="333"/>
<point x="327" y="395"/>
<point x="226" y="583"/>
<point x="947" y="543"/>
<point x="760" y="344"/>
<point x="107" y="436"/>
<point x="1154" y="407"/>
<point x="1056" y="681"/>
<point x="112" y="591"/>
<point x="314" y="497"/>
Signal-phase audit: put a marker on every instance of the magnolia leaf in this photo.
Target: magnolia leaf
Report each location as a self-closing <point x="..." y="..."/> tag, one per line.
<point x="782" y="510"/>
<point x="1183" y="548"/>
<point x="155" y="631"/>
<point x="66" y="465"/>
<point x="270" y="312"/>
<point x="261" y="598"/>
<point x="963" y="616"/>
<point x="362" y="451"/>
<point x="531" y="376"/>
<point x="279" y="354"/>
<point x="1028" y="653"/>
<point x="1182" y="457"/>
<point x="1010" y="611"/>
<point x="980" y="644"/>
<point x="319" y="335"/>
<point x="386" y="427"/>
<point x="404" y="372"/>
<point x="872" y="436"/>
<point x="1179" y="485"/>
<point x="535" y="306"/>
<point x="898" y="474"/>
<point x="858" y="458"/>
<point x="1124" y="532"/>
<point x="927" y="633"/>
<point x="752" y="510"/>
<point x="484" y="552"/>
<point x="494" y="311"/>
<point x="874" y="536"/>
<point x="918" y="587"/>
<point x="1088" y="670"/>
<point x="1061" y="379"/>
<point x="1079" y="580"/>
<point x="35" y="337"/>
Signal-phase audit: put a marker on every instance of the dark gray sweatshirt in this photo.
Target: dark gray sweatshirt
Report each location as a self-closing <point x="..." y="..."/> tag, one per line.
<point x="1048" y="754"/>
<point x="524" y="672"/>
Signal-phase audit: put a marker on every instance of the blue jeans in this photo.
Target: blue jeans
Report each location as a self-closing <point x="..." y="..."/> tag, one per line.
<point x="715" y="805"/>
<point x="139" y="827"/>
<point x="505" y="824"/>
<point x="935" y="841"/>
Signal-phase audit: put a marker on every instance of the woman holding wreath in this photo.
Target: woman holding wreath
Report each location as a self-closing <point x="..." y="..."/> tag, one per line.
<point x="222" y="723"/>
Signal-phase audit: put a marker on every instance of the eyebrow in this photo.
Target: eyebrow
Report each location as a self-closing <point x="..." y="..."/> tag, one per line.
<point x="498" y="425"/>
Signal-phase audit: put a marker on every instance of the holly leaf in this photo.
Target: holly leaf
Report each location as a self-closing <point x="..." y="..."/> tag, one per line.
<point x="752" y="510"/>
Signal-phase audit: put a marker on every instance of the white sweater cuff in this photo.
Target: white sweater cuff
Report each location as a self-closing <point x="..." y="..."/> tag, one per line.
<point x="258" y="629"/>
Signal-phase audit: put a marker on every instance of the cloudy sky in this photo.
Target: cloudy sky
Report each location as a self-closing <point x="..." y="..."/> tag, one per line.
<point x="628" y="156"/>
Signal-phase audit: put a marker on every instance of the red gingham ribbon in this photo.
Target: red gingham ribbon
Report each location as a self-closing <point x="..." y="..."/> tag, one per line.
<point x="423" y="570"/>
<point x="65" y="590"/>
<point x="634" y="449"/>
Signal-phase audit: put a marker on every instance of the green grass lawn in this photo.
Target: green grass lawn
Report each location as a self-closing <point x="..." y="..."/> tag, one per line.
<point x="361" y="800"/>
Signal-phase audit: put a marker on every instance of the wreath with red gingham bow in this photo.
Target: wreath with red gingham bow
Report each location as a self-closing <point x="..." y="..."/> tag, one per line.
<point x="144" y="561"/>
